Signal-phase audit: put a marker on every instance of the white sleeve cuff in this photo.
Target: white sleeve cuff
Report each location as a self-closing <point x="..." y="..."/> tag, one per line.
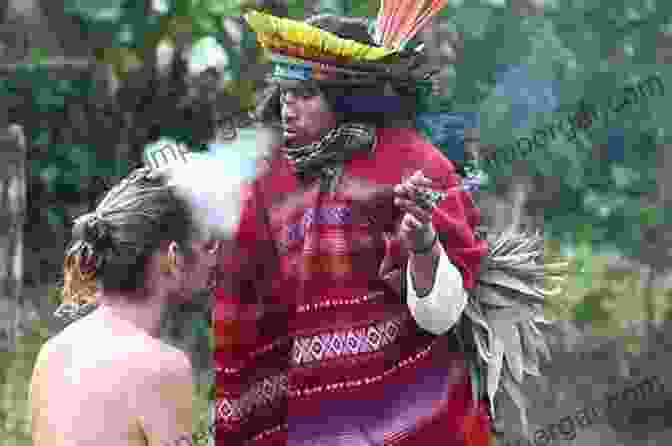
<point x="441" y="308"/>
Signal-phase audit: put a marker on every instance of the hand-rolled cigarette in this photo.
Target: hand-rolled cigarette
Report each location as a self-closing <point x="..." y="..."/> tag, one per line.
<point x="427" y="198"/>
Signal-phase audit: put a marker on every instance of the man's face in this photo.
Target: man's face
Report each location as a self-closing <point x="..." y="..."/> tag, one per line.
<point x="305" y="114"/>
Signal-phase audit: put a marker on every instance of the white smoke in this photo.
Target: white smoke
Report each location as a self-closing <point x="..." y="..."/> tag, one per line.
<point x="211" y="181"/>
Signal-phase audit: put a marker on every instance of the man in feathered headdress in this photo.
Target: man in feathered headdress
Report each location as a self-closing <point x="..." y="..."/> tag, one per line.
<point x="337" y="308"/>
<point x="354" y="251"/>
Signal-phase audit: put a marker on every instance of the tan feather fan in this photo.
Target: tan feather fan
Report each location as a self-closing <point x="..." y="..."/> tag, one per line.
<point x="502" y="313"/>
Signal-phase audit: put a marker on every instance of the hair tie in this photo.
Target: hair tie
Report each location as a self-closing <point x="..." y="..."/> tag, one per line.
<point x="93" y="234"/>
<point x="92" y="228"/>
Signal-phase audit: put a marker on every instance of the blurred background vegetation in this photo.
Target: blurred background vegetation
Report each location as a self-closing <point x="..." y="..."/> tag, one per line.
<point x="92" y="82"/>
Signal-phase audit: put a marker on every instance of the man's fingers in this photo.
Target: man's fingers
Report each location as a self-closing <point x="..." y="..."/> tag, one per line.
<point x="410" y="189"/>
<point x="410" y="207"/>
<point x="418" y="180"/>
<point x="413" y="221"/>
<point x="421" y="181"/>
<point x="401" y="189"/>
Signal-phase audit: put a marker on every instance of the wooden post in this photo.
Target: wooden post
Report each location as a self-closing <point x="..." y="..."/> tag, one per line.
<point x="12" y="217"/>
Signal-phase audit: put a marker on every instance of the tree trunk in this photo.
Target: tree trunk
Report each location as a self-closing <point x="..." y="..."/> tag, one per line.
<point x="30" y="16"/>
<point x="12" y="216"/>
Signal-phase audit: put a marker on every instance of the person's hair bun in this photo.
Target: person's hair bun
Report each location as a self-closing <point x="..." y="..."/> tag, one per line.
<point x="91" y="228"/>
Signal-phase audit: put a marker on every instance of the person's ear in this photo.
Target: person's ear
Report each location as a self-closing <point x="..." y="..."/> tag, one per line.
<point x="165" y="264"/>
<point x="171" y="261"/>
<point x="176" y="255"/>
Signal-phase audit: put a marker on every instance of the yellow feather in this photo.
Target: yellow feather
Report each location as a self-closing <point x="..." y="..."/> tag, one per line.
<point x="274" y="32"/>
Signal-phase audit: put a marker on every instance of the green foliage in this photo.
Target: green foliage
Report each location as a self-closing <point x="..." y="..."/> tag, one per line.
<point x="592" y="308"/>
<point x="611" y="299"/>
<point x="67" y="166"/>
<point x="202" y="426"/>
<point x="570" y="45"/>
<point x="98" y="10"/>
<point x="45" y="97"/>
<point x="55" y="295"/>
<point x="15" y="378"/>
<point x="668" y="301"/>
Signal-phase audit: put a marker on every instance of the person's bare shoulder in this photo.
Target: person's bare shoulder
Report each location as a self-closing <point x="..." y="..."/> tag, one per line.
<point x="164" y="359"/>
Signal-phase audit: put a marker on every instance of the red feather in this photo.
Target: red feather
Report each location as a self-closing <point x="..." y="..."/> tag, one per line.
<point x="399" y="21"/>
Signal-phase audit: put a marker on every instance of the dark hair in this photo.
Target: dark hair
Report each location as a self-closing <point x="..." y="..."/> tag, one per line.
<point x="110" y="247"/>
<point x="354" y="28"/>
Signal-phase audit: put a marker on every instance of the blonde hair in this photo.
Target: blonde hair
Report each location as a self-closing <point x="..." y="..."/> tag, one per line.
<point x="79" y="287"/>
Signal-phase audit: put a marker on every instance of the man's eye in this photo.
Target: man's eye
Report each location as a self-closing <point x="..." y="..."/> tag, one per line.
<point x="303" y="92"/>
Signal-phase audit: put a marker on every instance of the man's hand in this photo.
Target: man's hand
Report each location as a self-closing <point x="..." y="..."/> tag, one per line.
<point x="416" y="231"/>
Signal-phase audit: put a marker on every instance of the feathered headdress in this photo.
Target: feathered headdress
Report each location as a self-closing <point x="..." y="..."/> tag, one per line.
<point x="301" y="51"/>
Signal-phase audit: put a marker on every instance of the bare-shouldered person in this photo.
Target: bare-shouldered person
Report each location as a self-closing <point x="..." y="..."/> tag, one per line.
<point x="107" y="379"/>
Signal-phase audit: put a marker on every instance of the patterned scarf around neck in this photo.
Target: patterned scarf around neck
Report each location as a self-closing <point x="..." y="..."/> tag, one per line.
<point x="323" y="158"/>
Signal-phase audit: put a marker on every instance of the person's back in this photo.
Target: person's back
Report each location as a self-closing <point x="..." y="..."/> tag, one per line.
<point x="101" y="367"/>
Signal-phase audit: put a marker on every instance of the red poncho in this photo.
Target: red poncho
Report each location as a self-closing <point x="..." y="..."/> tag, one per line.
<point x="313" y="347"/>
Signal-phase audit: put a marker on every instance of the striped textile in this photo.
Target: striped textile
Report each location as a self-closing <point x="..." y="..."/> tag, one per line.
<point x="312" y="345"/>
<point x="339" y="145"/>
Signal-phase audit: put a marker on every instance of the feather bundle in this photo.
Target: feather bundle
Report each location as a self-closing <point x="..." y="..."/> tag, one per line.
<point x="399" y="21"/>
<point x="502" y="314"/>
